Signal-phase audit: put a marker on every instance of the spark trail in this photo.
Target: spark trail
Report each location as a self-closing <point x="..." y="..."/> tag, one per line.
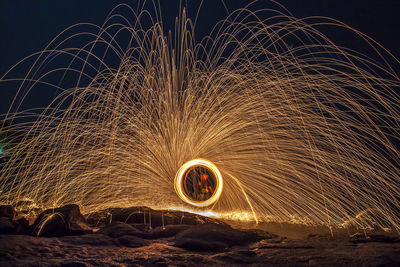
<point x="301" y="130"/>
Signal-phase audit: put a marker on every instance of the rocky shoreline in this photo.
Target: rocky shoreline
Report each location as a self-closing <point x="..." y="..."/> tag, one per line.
<point x="140" y="236"/>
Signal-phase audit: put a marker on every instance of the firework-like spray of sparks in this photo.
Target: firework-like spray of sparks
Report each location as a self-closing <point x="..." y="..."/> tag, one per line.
<point x="298" y="129"/>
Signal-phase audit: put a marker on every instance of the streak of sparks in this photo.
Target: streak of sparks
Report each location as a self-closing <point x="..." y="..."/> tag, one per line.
<point x="305" y="132"/>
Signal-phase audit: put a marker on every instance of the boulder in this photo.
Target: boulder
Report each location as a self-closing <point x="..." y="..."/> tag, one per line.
<point x="149" y="217"/>
<point x="168" y="231"/>
<point x="144" y="215"/>
<point x="118" y="229"/>
<point x="89" y="239"/>
<point x="7" y="211"/>
<point x="125" y="235"/>
<point x="66" y="220"/>
<point x="132" y="241"/>
<point x="99" y="218"/>
<point x="192" y="244"/>
<point x="21" y="226"/>
<point x="239" y="258"/>
<point x="217" y="236"/>
<point x="6" y="226"/>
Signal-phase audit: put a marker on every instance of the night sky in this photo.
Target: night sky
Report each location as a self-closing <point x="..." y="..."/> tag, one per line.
<point x="27" y="26"/>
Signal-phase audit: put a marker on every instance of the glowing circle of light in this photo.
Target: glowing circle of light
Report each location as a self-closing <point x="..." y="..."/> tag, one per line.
<point x="179" y="179"/>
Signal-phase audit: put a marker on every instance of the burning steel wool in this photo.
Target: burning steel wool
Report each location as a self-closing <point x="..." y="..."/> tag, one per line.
<point x="199" y="183"/>
<point x="265" y="119"/>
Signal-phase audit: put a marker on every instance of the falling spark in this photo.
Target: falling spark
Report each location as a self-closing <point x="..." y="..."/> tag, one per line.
<point x="304" y="132"/>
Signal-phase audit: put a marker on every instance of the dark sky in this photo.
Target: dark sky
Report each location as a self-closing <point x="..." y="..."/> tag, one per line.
<point x="26" y="26"/>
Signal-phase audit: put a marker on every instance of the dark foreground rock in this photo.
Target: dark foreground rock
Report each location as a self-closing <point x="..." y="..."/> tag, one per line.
<point x="66" y="220"/>
<point x="149" y="218"/>
<point x="211" y="237"/>
<point x="22" y="226"/>
<point x="127" y="250"/>
<point x="168" y="231"/>
<point x="6" y="226"/>
<point x="118" y="229"/>
<point x="9" y="226"/>
<point x="7" y="211"/>
<point x="198" y="241"/>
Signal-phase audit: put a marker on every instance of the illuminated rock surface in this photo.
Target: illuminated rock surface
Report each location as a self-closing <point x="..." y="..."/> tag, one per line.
<point x="66" y="220"/>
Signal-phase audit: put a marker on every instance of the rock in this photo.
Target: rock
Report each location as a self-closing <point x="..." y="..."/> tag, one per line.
<point x="132" y="241"/>
<point x="374" y="238"/>
<point x="21" y="226"/>
<point x="66" y="220"/>
<point x="242" y="257"/>
<point x="74" y="264"/>
<point x="7" y="211"/>
<point x="214" y="236"/>
<point x="6" y="226"/>
<point x="149" y="217"/>
<point x="168" y="231"/>
<point x="89" y="239"/>
<point x="141" y="227"/>
<point x="118" y="229"/>
<point x="200" y="245"/>
<point x="7" y="257"/>
<point x="125" y="235"/>
<point x="99" y="218"/>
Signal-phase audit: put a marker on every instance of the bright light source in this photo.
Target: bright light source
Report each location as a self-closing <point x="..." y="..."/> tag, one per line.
<point x="198" y="182"/>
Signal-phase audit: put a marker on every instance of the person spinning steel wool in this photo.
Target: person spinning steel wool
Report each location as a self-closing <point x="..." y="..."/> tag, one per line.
<point x="199" y="184"/>
<point x="205" y="188"/>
